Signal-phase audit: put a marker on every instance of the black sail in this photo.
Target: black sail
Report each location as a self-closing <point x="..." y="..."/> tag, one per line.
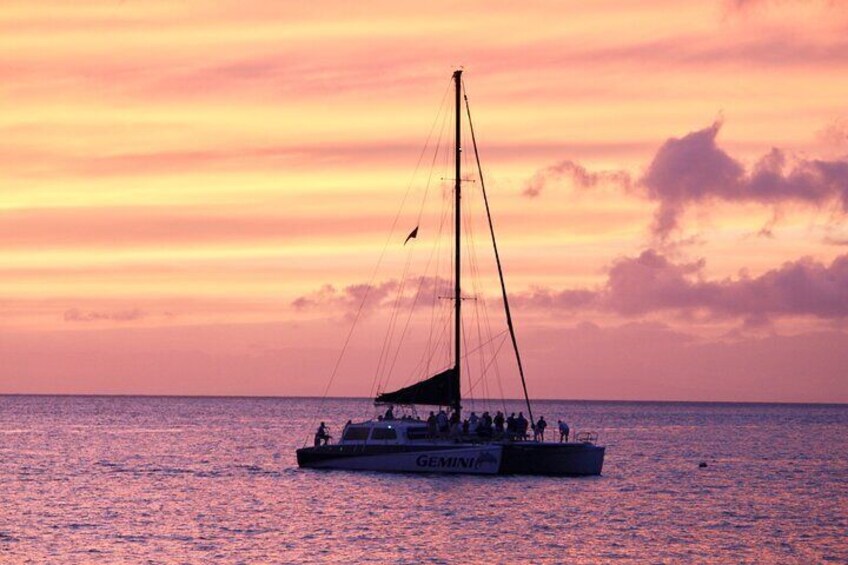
<point x="441" y="389"/>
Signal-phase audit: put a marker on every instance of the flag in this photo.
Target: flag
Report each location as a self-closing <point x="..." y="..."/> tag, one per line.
<point x="412" y="235"/>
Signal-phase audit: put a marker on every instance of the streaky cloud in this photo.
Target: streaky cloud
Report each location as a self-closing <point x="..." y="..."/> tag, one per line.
<point x="577" y="173"/>
<point x="77" y="315"/>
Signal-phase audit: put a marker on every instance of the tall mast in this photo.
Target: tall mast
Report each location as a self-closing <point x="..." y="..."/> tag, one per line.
<point x="457" y="327"/>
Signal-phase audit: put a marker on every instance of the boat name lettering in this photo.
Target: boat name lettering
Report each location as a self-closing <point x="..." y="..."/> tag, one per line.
<point x="454" y="461"/>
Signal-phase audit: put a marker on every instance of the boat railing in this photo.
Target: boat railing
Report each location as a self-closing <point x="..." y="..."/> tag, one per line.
<point x="586" y="437"/>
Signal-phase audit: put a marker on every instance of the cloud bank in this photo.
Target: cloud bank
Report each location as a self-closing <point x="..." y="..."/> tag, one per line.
<point x="652" y="282"/>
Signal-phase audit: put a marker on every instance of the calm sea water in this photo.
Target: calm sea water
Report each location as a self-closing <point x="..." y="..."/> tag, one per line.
<point x="202" y="480"/>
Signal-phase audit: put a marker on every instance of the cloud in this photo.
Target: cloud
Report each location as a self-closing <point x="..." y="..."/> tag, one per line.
<point x="347" y="299"/>
<point x="77" y="315"/>
<point x="414" y="292"/>
<point x="652" y="282"/>
<point x="577" y="173"/>
<point x="694" y="169"/>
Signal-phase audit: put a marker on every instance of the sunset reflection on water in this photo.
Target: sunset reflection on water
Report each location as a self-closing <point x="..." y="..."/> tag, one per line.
<point x="115" y="480"/>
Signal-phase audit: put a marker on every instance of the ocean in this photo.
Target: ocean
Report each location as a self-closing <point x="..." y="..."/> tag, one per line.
<point x="215" y="480"/>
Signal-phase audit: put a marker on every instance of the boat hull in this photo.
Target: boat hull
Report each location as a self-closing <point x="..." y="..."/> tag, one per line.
<point x="474" y="460"/>
<point x="564" y="459"/>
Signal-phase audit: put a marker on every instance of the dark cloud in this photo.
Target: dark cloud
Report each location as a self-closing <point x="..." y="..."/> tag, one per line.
<point x="694" y="169"/>
<point x="77" y="315"/>
<point x="652" y="282"/>
<point x="578" y="174"/>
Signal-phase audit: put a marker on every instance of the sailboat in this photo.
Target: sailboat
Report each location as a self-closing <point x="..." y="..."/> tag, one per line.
<point x="391" y="444"/>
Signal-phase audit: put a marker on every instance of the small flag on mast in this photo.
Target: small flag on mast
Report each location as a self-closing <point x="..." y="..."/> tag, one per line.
<point x="412" y="235"/>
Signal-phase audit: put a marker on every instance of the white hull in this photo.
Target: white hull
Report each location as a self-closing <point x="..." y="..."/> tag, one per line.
<point x="477" y="460"/>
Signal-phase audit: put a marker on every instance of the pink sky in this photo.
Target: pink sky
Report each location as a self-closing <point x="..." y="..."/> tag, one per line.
<point x="191" y="196"/>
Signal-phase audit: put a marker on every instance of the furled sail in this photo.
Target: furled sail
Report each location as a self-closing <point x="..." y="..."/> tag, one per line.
<point x="441" y="389"/>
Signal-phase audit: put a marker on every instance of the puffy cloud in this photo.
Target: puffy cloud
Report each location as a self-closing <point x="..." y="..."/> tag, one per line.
<point x="694" y="169"/>
<point x="652" y="282"/>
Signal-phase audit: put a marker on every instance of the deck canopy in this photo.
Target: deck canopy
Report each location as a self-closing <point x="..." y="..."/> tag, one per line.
<point x="441" y="389"/>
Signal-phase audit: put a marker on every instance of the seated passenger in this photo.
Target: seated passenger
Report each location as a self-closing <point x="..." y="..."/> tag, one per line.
<point x="321" y="435"/>
<point x="390" y="414"/>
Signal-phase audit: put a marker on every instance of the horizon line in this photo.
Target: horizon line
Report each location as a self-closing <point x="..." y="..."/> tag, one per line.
<point x="314" y="397"/>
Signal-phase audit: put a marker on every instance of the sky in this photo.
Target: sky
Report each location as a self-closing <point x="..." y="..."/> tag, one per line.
<point x="195" y="197"/>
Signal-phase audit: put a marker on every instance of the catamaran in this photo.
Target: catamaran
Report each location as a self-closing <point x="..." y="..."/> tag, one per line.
<point x="409" y="444"/>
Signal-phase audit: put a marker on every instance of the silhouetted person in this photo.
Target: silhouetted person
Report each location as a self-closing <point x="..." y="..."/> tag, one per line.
<point x="511" y="426"/>
<point x="442" y="422"/>
<point x="473" y="421"/>
<point x="521" y="425"/>
<point x="539" y="430"/>
<point x="563" y="430"/>
<point x="432" y="427"/>
<point x="499" y="424"/>
<point x="390" y="414"/>
<point x="321" y="435"/>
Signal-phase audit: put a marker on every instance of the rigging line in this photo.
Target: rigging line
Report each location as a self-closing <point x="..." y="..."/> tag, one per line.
<point x="380" y="259"/>
<point x="439" y="114"/>
<point x="389" y="336"/>
<point x="481" y="304"/>
<point x="476" y="280"/>
<point x="498" y="259"/>
<point x="489" y="365"/>
<point x="427" y="353"/>
<point x="384" y="381"/>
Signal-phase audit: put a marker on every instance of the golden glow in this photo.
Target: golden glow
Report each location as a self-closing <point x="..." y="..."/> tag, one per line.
<point x="217" y="161"/>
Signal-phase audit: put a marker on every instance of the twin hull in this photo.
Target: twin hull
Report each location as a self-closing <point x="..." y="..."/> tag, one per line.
<point x="570" y="459"/>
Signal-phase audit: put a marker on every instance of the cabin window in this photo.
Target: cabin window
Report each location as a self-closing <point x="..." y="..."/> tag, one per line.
<point x="383" y="433"/>
<point x="416" y="433"/>
<point x="355" y="434"/>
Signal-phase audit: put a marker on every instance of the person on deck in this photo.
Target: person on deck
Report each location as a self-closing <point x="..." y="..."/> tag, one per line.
<point x="484" y="427"/>
<point x="511" y="426"/>
<point x="473" y="421"/>
<point x="539" y="431"/>
<point x="499" y="424"/>
<point x="563" y="430"/>
<point x="442" y="422"/>
<point x="321" y="435"/>
<point x="390" y="413"/>
<point x="432" y="427"/>
<point x="455" y="430"/>
<point x="521" y="424"/>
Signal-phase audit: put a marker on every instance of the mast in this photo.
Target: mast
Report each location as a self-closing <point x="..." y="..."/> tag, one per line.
<point x="457" y="327"/>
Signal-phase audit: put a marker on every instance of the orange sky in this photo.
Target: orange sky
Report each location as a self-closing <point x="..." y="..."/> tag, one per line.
<point x="175" y="176"/>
